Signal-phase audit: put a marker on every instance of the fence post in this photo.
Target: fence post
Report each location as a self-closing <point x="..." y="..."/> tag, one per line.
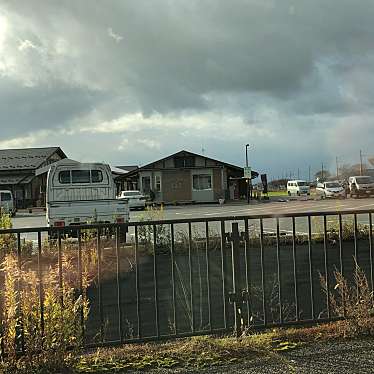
<point x="237" y="296"/>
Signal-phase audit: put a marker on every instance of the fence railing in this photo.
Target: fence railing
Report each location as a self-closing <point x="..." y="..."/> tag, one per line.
<point x="171" y="278"/>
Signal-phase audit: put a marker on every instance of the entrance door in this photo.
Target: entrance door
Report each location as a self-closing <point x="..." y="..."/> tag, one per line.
<point x="146" y="184"/>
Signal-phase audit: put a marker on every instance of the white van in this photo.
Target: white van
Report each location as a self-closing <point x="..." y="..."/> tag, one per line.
<point x="7" y="203"/>
<point x="298" y="187"/>
<point x="79" y="193"/>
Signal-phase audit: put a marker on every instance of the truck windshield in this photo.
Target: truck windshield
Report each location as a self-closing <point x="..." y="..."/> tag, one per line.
<point x="5" y="196"/>
<point x="364" y="180"/>
<point x="302" y="184"/>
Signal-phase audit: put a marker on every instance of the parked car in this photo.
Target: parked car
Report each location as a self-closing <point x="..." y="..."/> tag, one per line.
<point x="298" y="187"/>
<point x="80" y="193"/>
<point x="330" y="190"/>
<point x="361" y="186"/>
<point x="7" y="202"/>
<point x="135" y="198"/>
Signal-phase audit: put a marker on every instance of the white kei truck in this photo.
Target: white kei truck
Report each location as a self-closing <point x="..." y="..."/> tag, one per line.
<point x="82" y="193"/>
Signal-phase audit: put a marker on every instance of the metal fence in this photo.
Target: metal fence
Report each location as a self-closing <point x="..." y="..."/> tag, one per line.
<point x="161" y="279"/>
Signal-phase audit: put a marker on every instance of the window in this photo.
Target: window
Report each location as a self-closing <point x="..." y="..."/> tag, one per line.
<point x="96" y="176"/>
<point x="364" y="180"/>
<point x="184" y="162"/>
<point x="5" y="196"/>
<point x="64" y="176"/>
<point x="80" y="176"/>
<point x="158" y="183"/>
<point x="202" y="182"/>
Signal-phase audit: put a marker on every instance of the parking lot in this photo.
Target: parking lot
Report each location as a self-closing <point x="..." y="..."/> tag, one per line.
<point x="37" y="219"/>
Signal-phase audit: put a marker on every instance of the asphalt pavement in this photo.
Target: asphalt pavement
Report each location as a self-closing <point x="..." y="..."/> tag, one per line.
<point x="37" y="218"/>
<point x="333" y="357"/>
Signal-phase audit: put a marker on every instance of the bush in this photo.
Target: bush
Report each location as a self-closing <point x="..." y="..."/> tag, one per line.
<point x="48" y="346"/>
<point x="354" y="301"/>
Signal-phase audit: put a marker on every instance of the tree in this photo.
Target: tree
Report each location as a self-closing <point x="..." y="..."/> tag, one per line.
<point x="322" y="175"/>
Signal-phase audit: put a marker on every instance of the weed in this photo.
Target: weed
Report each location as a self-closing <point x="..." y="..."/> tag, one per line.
<point x="354" y="301"/>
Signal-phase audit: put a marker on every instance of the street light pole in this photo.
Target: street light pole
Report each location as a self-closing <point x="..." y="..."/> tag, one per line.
<point x="246" y="164"/>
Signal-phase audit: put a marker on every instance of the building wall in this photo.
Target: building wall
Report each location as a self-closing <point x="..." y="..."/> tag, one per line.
<point x="203" y="195"/>
<point x="176" y="185"/>
<point x="218" y="175"/>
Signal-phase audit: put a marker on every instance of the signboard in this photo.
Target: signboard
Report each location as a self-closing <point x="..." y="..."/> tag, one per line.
<point x="248" y="172"/>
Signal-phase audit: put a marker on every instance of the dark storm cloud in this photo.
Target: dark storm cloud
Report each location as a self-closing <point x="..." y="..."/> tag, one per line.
<point x="33" y="108"/>
<point x="171" y="54"/>
<point x="301" y="70"/>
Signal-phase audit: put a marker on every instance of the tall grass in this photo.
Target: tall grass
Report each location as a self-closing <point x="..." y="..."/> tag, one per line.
<point x="42" y="312"/>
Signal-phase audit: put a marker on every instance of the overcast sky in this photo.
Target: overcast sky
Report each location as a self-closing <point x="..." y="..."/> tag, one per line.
<point x="128" y="82"/>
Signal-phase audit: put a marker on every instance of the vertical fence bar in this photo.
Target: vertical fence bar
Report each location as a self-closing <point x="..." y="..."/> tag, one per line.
<point x="310" y="255"/>
<point x="355" y="237"/>
<point x="80" y="285"/>
<point x="137" y="291"/>
<point x="172" y="258"/>
<point x="192" y="306"/>
<point x="296" y="295"/>
<point x="208" y="275"/>
<point x="119" y="288"/>
<point x="326" y="266"/>
<point x="247" y="271"/>
<point x="40" y="285"/>
<point x="356" y="250"/>
<point x="60" y="274"/>
<point x="341" y="261"/>
<point x="236" y="294"/>
<point x="223" y="272"/>
<point x="263" y="272"/>
<point x="20" y="336"/>
<point x="99" y="289"/>
<point x="371" y="251"/>
<point x="155" y="283"/>
<point x="279" y="273"/>
<point x="2" y="347"/>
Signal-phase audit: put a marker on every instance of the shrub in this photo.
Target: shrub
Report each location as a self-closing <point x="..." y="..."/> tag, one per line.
<point x="49" y="345"/>
<point x="354" y="301"/>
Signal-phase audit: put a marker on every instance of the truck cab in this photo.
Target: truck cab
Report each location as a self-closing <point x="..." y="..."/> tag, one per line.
<point x="362" y="185"/>
<point x="81" y="193"/>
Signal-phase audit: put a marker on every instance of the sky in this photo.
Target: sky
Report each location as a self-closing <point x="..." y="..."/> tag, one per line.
<point x="128" y="82"/>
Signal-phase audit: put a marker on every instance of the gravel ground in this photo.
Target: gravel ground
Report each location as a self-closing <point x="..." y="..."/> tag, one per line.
<point x="343" y="357"/>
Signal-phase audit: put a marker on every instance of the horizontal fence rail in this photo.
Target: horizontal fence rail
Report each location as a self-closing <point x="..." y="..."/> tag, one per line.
<point x="160" y="279"/>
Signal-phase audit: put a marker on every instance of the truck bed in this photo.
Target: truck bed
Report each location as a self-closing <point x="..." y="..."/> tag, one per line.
<point x="87" y="211"/>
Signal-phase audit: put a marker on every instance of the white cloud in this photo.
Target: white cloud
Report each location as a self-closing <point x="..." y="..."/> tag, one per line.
<point x="25" y="45"/>
<point x="114" y="36"/>
<point x="29" y="140"/>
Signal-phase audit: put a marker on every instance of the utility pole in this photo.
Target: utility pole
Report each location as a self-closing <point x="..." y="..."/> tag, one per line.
<point x="322" y="172"/>
<point x="337" y="168"/>
<point x="298" y="173"/>
<point x="309" y="170"/>
<point x="361" y="171"/>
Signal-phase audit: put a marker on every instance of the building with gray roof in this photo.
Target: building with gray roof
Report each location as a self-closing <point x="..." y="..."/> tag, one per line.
<point x="17" y="173"/>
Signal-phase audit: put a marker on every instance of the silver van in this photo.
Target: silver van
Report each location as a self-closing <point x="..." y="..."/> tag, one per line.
<point x="7" y="203"/>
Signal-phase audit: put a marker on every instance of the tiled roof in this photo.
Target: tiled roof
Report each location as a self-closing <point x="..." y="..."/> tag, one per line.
<point x="26" y="158"/>
<point x="15" y="179"/>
